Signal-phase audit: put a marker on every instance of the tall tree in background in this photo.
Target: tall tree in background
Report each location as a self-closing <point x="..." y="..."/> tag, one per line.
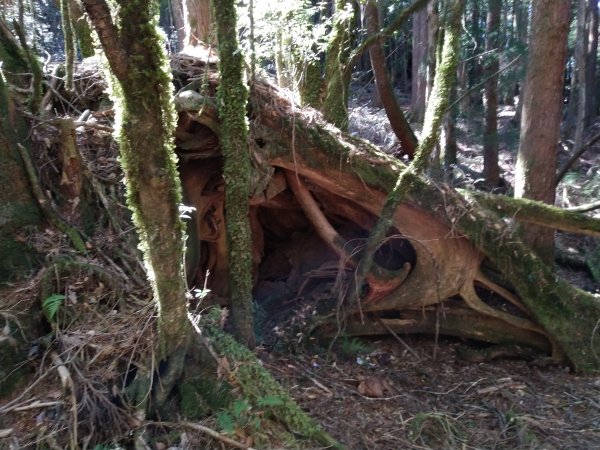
<point x="542" y="105"/>
<point x="521" y="27"/>
<point x="337" y="78"/>
<point x="578" y="99"/>
<point x="199" y="23"/>
<point x="398" y="121"/>
<point x="491" y="170"/>
<point x="232" y="99"/>
<point x="419" y="65"/>
<point x="592" y="63"/>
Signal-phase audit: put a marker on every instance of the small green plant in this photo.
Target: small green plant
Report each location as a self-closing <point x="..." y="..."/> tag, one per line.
<point x="353" y="346"/>
<point x="269" y="400"/>
<point x="52" y="304"/>
<point x="238" y="415"/>
<point x="241" y="415"/>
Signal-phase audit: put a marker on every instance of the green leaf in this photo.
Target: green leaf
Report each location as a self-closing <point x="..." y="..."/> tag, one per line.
<point x="52" y="304"/>
<point x="270" y="400"/>
<point x="226" y="422"/>
<point x="239" y="407"/>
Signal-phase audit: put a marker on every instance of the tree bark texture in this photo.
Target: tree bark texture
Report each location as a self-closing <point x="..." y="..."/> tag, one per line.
<point x="580" y="95"/>
<point x="398" y="121"/>
<point x="180" y="14"/>
<point x="18" y="208"/>
<point x="542" y="107"/>
<point x="521" y="24"/>
<point x="592" y="63"/>
<point x="337" y="79"/>
<point x="491" y="169"/>
<point x="419" y="65"/>
<point x="199" y="23"/>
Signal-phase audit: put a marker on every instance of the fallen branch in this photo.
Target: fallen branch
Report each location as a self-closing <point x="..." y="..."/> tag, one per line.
<point x="53" y="217"/>
<point x="584" y="208"/>
<point x="35" y="405"/>
<point x="530" y="211"/>
<point x="584" y="148"/>
<point x="205" y="430"/>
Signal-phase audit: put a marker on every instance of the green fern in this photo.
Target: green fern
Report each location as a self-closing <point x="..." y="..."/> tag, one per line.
<point x="269" y="400"/>
<point x="52" y="304"/>
<point x="226" y="422"/>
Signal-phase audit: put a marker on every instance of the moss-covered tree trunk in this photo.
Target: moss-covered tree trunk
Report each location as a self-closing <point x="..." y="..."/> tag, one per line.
<point x="337" y="79"/>
<point x="142" y="92"/>
<point x="18" y="208"/>
<point x="232" y="100"/>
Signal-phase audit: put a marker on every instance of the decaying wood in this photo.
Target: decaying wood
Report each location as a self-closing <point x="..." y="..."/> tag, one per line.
<point x="318" y="193"/>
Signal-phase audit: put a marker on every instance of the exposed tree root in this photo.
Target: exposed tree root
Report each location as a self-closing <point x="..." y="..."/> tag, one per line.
<point x="336" y="186"/>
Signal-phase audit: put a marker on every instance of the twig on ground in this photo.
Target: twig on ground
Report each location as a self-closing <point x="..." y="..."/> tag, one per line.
<point x="205" y="430"/>
<point x="399" y="339"/>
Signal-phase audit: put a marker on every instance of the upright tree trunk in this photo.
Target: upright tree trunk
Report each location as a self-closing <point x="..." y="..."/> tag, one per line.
<point x="581" y="58"/>
<point x="180" y="14"/>
<point x="200" y="23"/>
<point x="521" y="23"/>
<point x="18" y="208"/>
<point x="542" y="105"/>
<point x="232" y="99"/>
<point x="591" y="64"/>
<point x="399" y="124"/>
<point x="419" y="66"/>
<point x="142" y="92"/>
<point x="449" y="145"/>
<point x="433" y="44"/>
<point x="337" y="79"/>
<point x="491" y="170"/>
<point x="475" y="65"/>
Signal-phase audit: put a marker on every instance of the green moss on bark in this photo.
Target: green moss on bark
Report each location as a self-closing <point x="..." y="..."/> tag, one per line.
<point x="232" y="97"/>
<point x="337" y="79"/>
<point x="18" y="208"/>
<point x="310" y="84"/>
<point x="256" y="383"/>
<point x="571" y="316"/>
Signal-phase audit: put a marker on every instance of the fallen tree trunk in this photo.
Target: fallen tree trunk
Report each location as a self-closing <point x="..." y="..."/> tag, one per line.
<point x="317" y="194"/>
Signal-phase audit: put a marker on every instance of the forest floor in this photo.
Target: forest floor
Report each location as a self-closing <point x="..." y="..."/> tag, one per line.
<point x="434" y="399"/>
<point x="408" y="392"/>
